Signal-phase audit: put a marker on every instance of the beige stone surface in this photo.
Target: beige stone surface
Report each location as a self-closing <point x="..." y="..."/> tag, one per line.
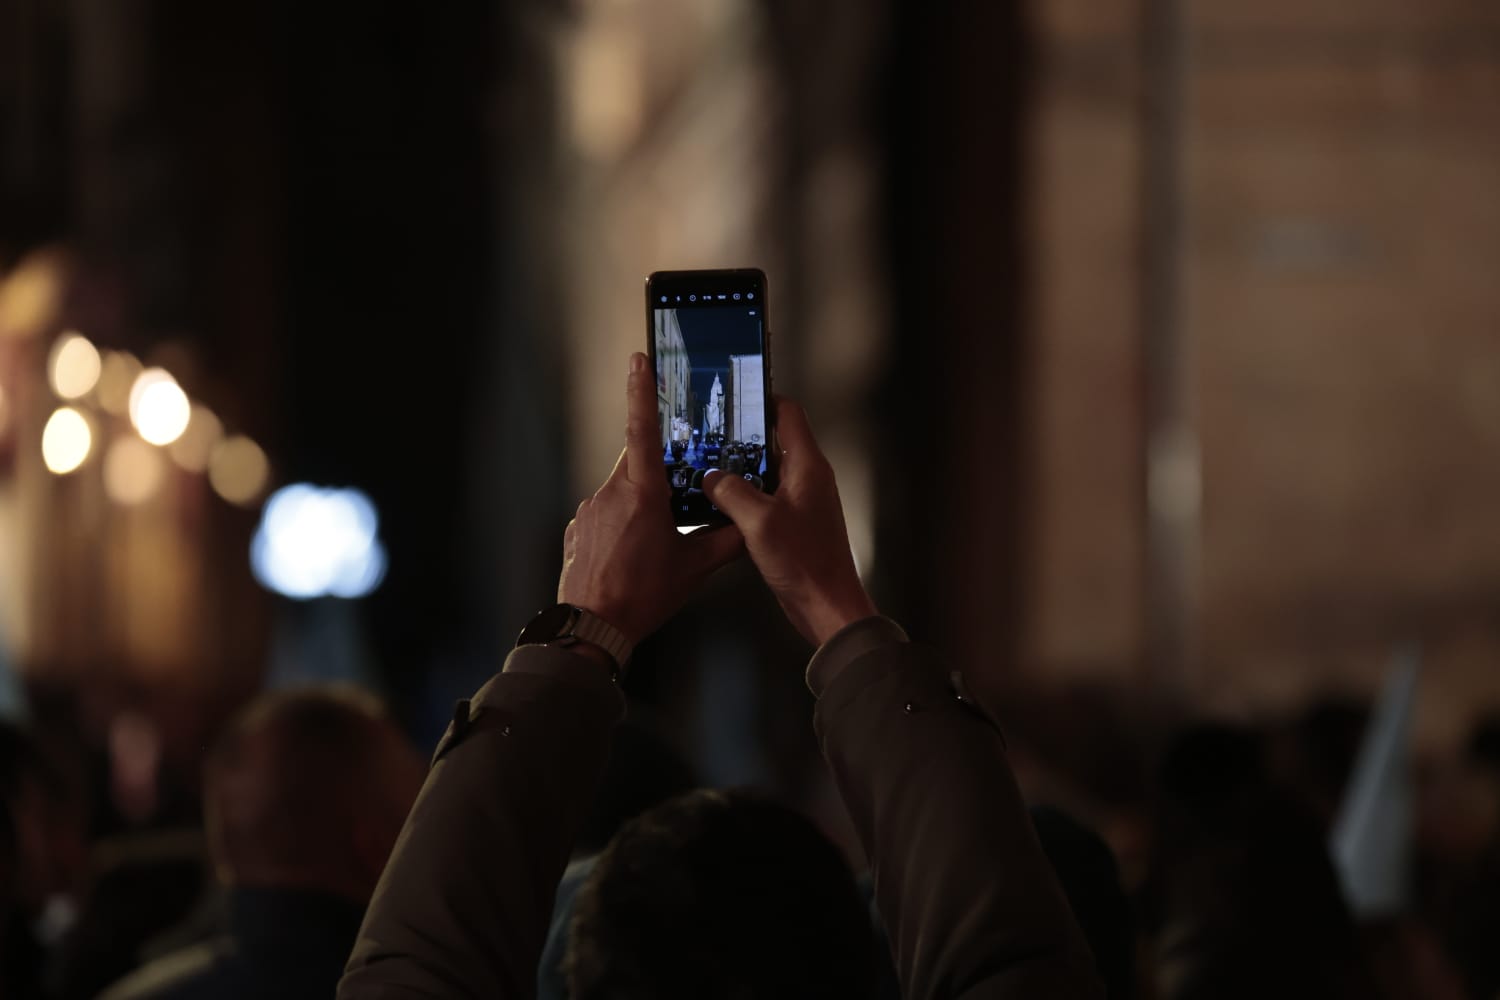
<point x="1341" y="332"/>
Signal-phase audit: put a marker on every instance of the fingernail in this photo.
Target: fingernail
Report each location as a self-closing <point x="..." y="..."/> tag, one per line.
<point x="637" y="363"/>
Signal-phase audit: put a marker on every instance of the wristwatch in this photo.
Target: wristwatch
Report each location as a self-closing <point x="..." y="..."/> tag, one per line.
<point x="565" y="624"/>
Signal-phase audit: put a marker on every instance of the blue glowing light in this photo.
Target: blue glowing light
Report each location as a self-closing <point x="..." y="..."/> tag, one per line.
<point x="315" y="541"/>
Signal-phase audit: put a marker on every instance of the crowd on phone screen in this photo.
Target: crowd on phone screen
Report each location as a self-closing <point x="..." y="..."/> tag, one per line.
<point x="255" y="880"/>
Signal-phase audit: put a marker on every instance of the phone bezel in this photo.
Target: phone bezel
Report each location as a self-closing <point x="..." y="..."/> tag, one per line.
<point x="725" y="281"/>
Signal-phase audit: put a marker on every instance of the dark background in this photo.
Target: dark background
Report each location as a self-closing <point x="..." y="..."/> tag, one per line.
<point x="1154" y="344"/>
<point x="711" y="336"/>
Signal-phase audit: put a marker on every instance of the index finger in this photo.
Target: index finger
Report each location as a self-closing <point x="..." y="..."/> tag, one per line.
<point x="643" y="446"/>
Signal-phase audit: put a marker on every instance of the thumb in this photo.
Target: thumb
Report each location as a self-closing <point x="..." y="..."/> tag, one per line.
<point x="743" y="503"/>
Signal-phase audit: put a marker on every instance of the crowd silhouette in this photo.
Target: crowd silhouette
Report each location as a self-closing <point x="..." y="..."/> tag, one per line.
<point x="553" y="850"/>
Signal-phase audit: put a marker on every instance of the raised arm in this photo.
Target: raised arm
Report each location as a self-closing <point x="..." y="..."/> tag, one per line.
<point x="463" y="906"/>
<point x="968" y="898"/>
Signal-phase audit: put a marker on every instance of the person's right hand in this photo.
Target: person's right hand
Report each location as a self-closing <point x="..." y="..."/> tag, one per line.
<point x="797" y="537"/>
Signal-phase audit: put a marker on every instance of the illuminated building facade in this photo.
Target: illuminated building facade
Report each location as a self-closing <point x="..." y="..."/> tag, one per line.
<point x="746" y="398"/>
<point x="673" y="374"/>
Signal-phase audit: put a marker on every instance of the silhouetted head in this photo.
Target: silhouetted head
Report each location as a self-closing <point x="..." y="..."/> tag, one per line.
<point x="1248" y="901"/>
<point x="1323" y="744"/>
<point x="42" y="824"/>
<point x="1484" y="743"/>
<point x="1211" y="776"/>
<point x="718" y="895"/>
<point x="1090" y="878"/>
<point x="308" y="789"/>
<point x="10" y="853"/>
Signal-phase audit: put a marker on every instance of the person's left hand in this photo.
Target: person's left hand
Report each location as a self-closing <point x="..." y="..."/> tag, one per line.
<point x="623" y="558"/>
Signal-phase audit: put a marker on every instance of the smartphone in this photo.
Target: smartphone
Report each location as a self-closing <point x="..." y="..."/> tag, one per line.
<point x="710" y="343"/>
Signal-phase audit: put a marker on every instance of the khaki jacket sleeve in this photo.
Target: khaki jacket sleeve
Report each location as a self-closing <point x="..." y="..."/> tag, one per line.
<point x="463" y="906"/>
<point x="970" y="902"/>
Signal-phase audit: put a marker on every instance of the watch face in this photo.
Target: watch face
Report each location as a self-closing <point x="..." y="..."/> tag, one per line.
<point x="556" y="621"/>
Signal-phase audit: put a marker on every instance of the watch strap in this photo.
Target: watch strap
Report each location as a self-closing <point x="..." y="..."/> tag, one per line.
<point x="589" y="627"/>
<point x="565" y="624"/>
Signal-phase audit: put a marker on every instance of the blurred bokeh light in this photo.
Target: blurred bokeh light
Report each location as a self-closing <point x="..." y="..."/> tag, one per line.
<point x="31" y="294"/>
<point x="318" y="542"/>
<point x="74" y="366"/>
<point x="193" y="448"/>
<point x="117" y="375"/>
<point x="66" y="441"/>
<point x="238" y="470"/>
<point x="133" y="470"/>
<point x="158" y="407"/>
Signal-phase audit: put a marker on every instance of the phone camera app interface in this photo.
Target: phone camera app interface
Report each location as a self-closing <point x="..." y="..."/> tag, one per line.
<point x="710" y="386"/>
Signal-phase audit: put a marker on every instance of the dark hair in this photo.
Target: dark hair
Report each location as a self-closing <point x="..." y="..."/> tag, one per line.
<point x="720" y="894"/>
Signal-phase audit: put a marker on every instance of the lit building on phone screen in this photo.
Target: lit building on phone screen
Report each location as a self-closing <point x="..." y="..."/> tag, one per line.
<point x="746" y="397"/>
<point x="673" y="375"/>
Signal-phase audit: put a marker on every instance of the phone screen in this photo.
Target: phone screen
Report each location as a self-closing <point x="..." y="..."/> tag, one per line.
<point x="708" y="340"/>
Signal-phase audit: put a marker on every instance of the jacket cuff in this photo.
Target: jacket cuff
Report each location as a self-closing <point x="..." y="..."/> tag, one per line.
<point x="535" y="674"/>
<point x="559" y="662"/>
<point x="849" y="644"/>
